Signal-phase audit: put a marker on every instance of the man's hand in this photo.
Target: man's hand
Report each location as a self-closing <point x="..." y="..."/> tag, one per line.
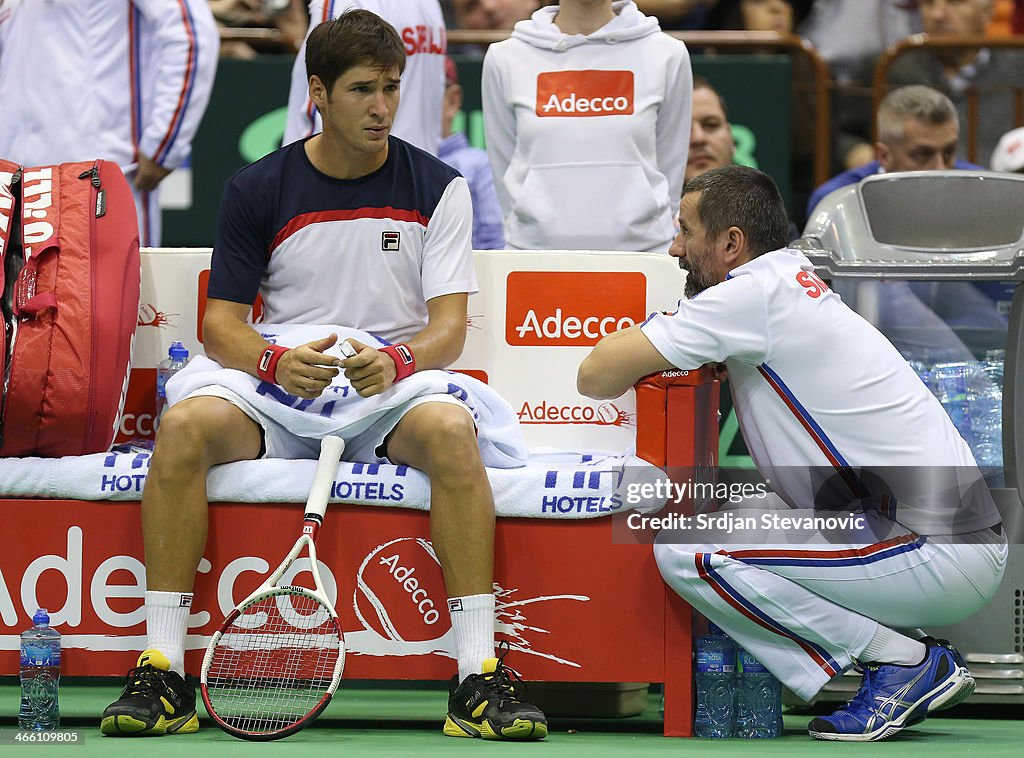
<point x="149" y="174"/>
<point x="370" y="371"/>
<point x="305" y="371"/>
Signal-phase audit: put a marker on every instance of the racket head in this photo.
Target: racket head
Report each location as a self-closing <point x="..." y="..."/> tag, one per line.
<point x="274" y="664"/>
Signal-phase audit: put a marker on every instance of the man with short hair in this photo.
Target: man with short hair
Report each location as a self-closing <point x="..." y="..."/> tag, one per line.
<point x="711" y="141"/>
<point x="993" y="75"/>
<point x="420" y="24"/>
<point x="918" y="130"/>
<point x="838" y="424"/>
<point x="356" y="228"/>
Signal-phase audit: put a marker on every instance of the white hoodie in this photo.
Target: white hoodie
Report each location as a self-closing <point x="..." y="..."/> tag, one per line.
<point x="588" y="134"/>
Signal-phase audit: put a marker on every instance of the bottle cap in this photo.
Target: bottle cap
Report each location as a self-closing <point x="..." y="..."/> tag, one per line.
<point x="42" y="618"/>
<point x="178" y="351"/>
<point x="713" y="628"/>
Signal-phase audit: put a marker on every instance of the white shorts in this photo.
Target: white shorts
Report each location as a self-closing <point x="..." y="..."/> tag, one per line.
<point x="278" y="442"/>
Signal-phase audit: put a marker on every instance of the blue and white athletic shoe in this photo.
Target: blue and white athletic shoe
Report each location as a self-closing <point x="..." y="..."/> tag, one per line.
<point x="893" y="697"/>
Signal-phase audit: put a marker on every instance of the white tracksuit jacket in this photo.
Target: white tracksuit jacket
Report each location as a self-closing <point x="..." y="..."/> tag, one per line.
<point x="420" y="24"/>
<point x="85" y="79"/>
<point x="588" y="135"/>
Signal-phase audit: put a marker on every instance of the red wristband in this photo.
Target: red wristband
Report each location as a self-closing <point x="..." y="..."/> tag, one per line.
<point x="266" y="369"/>
<point x="405" y="361"/>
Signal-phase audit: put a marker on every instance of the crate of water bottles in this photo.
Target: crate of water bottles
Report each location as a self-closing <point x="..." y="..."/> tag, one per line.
<point x="971" y="392"/>
<point x="736" y="695"/>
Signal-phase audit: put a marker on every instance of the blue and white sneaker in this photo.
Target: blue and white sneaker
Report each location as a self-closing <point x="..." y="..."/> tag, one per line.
<point x="893" y="697"/>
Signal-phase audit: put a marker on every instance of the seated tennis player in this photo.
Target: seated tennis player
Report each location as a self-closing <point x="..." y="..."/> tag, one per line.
<point x="356" y="227"/>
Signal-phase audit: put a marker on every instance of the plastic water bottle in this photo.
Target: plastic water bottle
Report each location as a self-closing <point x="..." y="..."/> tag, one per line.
<point x="40" y="675"/>
<point x="176" y="359"/>
<point x="985" y="392"/>
<point x="716" y="685"/>
<point x="949" y="385"/>
<point x="758" y="699"/>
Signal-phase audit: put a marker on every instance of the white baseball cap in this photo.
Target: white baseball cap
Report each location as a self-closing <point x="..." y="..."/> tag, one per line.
<point x="1009" y="153"/>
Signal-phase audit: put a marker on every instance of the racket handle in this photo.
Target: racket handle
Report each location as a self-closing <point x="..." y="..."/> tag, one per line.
<point x="331" y="448"/>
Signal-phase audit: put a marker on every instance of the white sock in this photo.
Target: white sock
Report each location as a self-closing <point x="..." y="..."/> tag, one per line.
<point x="166" y="622"/>
<point x="473" y="624"/>
<point x="888" y="646"/>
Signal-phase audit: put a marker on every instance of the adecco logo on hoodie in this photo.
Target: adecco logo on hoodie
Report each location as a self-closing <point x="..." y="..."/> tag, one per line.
<point x="571" y="307"/>
<point x="585" y="93"/>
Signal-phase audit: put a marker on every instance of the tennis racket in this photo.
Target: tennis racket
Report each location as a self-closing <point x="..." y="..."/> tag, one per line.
<point x="277" y="659"/>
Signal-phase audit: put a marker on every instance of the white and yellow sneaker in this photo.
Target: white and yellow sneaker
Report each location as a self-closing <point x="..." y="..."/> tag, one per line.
<point x="155" y="701"/>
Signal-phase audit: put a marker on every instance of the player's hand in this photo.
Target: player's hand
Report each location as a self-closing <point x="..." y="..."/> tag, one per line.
<point x="149" y="174"/>
<point x="369" y="371"/>
<point x="305" y="371"/>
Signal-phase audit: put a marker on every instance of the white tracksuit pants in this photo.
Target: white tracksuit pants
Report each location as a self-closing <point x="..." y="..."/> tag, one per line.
<point x="807" y="610"/>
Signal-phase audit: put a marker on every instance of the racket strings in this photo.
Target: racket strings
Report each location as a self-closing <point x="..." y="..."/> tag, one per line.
<point x="274" y="664"/>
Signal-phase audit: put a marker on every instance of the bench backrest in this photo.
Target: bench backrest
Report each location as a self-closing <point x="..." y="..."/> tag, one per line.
<point x="535" y="317"/>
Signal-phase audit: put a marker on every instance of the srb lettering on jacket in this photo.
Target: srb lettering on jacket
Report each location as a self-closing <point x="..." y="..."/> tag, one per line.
<point x="425" y="39"/>
<point x="586" y="93"/>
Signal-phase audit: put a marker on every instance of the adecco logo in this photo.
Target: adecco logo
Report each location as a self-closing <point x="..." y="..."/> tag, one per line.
<point x="585" y="93"/>
<point x="571" y="307"/>
<point x="605" y="414"/>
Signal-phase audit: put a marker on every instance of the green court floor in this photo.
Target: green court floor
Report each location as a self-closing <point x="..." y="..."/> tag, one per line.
<point x="407" y="721"/>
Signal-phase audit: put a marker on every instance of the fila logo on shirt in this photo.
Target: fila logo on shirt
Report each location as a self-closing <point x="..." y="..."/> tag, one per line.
<point x="390" y="241"/>
<point x="585" y="93"/>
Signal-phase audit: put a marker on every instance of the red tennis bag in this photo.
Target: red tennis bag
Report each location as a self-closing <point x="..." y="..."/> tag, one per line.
<point x="72" y="291"/>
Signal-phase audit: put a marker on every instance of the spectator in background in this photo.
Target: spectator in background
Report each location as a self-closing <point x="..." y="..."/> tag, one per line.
<point x="782" y="17"/>
<point x="848" y="33"/>
<point x="994" y="73"/>
<point x="420" y="24"/>
<point x="124" y="81"/>
<point x="1009" y="153"/>
<point x="485" y="16"/>
<point x="711" y="141"/>
<point x="472" y="163"/>
<point x="678" y="14"/>
<point x="587" y="118"/>
<point x="289" y="17"/>
<point x="918" y="129"/>
<point x="758" y="15"/>
<point x="491" y="14"/>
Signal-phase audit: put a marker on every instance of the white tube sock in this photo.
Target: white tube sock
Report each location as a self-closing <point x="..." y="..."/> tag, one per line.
<point x="473" y="625"/>
<point x="166" y="622"/>
<point x="888" y="646"/>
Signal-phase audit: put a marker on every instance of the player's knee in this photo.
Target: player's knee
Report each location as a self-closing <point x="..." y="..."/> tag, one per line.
<point x="185" y="435"/>
<point x="447" y="432"/>
<point x="677" y="561"/>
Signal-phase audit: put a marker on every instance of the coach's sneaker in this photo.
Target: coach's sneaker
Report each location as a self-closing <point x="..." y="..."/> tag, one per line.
<point x="893" y="697"/>
<point x="489" y="705"/>
<point x="155" y="701"/>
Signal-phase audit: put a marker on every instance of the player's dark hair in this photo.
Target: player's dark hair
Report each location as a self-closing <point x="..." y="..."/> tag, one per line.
<point x="742" y="197"/>
<point x="356" y="38"/>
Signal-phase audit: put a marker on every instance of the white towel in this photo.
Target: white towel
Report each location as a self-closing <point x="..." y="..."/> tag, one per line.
<point x="562" y="486"/>
<point x="341" y="411"/>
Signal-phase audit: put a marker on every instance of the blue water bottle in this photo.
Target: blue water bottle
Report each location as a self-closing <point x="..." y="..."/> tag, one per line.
<point x="177" y="359"/>
<point x="40" y="675"/>
<point x="716" y="667"/>
<point x="758" y="699"/>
